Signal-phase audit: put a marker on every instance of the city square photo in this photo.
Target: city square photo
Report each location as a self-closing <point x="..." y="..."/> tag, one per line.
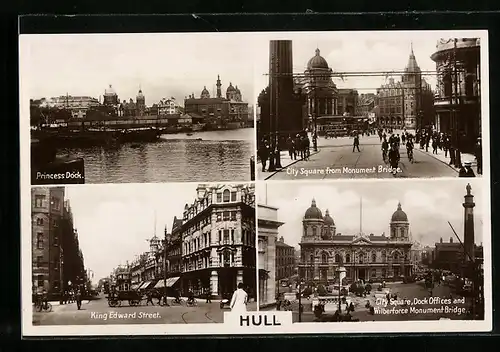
<point x="363" y="252"/>
<point x="408" y="104"/>
<point x="147" y="254"/>
<point x="137" y="108"/>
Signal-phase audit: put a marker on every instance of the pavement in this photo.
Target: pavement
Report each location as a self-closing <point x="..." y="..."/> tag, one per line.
<point x="98" y="312"/>
<point x="335" y="159"/>
<point x="416" y="292"/>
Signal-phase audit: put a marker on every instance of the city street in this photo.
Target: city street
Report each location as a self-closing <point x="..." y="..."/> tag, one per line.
<point x="97" y="312"/>
<point x="336" y="159"/>
<point x="403" y="291"/>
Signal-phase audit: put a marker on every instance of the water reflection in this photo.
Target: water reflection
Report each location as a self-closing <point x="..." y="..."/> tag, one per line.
<point x="202" y="157"/>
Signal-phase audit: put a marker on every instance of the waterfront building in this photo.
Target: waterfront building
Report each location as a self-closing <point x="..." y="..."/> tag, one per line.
<point x="110" y="97"/>
<point x="168" y="107"/>
<point x="365" y="257"/>
<point x="268" y="225"/>
<point x="285" y="260"/>
<point x="218" y="240"/>
<point x="458" y="94"/>
<point x="407" y="103"/>
<point x="219" y="112"/>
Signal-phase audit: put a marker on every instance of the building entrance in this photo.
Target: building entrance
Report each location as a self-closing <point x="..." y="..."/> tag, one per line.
<point x="362" y="274"/>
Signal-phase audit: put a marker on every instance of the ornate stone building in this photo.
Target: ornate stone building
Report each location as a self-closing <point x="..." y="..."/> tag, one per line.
<point x="365" y="257"/>
<point x="218" y="239"/>
<point x="458" y="96"/>
<point x="268" y="225"/>
<point x="408" y="103"/>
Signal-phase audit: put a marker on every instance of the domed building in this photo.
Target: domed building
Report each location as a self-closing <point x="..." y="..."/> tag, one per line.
<point x="321" y="92"/>
<point x="110" y="96"/>
<point x="365" y="257"/>
<point x="219" y="112"/>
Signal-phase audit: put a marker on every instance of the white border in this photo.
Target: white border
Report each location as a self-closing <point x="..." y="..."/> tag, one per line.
<point x="28" y="329"/>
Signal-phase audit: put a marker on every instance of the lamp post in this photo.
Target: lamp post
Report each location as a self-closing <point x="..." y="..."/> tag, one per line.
<point x="341" y="274"/>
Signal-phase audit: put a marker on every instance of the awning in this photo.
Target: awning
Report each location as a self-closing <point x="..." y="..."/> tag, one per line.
<point x="144" y="285"/>
<point x="170" y="282"/>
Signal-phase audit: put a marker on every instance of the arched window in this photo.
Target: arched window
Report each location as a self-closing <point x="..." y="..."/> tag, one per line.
<point x="374" y="257"/>
<point x="311" y="258"/>
<point x="324" y="258"/>
<point x="395" y="256"/>
<point x="361" y="258"/>
<point x="337" y="258"/>
<point x="39" y="221"/>
<point x="225" y="196"/>
<point x="347" y="258"/>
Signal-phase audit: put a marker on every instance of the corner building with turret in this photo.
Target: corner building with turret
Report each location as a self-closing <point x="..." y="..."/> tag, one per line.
<point x="365" y="257"/>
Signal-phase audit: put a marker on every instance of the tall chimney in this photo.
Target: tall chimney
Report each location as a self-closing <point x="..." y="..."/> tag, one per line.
<point x="469" y="224"/>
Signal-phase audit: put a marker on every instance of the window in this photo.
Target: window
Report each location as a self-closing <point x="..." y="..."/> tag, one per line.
<point x="311" y="258"/>
<point x="225" y="196"/>
<point x="55" y="203"/>
<point x="233" y="196"/>
<point x="232" y="236"/>
<point x="220" y="236"/>
<point x="314" y="231"/>
<point x="39" y="260"/>
<point x="39" y="199"/>
<point x="233" y="216"/>
<point x="219" y="197"/>
<point x="40" y="280"/>
<point x="39" y="240"/>
<point x="219" y="216"/>
<point x="226" y="236"/>
<point x="347" y="258"/>
<point x="225" y="216"/>
<point x="374" y="257"/>
<point x="324" y="258"/>
<point x="447" y="84"/>
<point x="56" y="240"/>
<point x="39" y="221"/>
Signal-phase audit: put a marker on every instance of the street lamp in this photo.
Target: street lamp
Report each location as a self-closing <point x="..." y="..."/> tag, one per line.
<point x="341" y="274"/>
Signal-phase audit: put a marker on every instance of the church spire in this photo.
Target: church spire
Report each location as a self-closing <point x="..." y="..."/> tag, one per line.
<point x="412" y="65"/>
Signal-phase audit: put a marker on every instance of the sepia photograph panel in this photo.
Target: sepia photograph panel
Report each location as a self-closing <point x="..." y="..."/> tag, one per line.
<point x="403" y="104"/>
<point x="365" y="252"/>
<point x="138" y="108"/>
<point x="142" y="254"/>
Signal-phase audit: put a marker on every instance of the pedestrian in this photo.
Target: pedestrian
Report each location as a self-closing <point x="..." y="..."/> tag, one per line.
<point x="452" y="154"/>
<point x="239" y="300"/>
<point x="78" y="299"/>
<point x="149" y="298"/>
<point x="468" y="169"/>
<point x="263" y="153"/>
<point x="355" y="144"/>
<point x="209" y="295"/>
<point x="478" y="151"/>
<point x="291" y="147"/>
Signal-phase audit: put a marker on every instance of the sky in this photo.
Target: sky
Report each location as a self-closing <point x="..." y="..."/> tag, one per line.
<point x="429" y="205"/>
<point x="356" y="51"/>
<point x="163" y="65"/>
<point x="115" y="221"/>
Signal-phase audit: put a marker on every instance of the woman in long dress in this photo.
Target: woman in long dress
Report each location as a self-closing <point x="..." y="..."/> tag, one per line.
<point x="239" y="300"/>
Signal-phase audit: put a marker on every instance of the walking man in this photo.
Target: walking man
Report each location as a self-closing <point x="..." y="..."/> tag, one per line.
<point x="355" y="144"/>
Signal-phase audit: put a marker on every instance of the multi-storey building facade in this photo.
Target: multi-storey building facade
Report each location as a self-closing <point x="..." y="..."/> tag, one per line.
<point x="285" y="260"/>
<point x="219" y="111"/>
<point x="458" y="96"/>
<point x="47" y="210"/>
<point x="365" y="257"/>
<point x="408" y="103"/>
<point x="347" y="102"/>
<point x="218" y="239"/>
<point x="268" y="225"/>
<point x="168" y="107"/>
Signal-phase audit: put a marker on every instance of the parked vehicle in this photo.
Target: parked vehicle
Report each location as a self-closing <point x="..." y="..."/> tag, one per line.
<point x="134" y="298"/>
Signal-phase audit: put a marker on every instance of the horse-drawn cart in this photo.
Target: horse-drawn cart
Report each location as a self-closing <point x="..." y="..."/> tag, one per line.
<point x="134" y="298"/>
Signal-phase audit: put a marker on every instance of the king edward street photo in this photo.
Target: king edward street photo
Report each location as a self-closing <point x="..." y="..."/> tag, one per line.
<point x="381" y="105"/>
<point x="140" y="108"/>
<point x="353" y="252"/>
<point x="120" y="255"/>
